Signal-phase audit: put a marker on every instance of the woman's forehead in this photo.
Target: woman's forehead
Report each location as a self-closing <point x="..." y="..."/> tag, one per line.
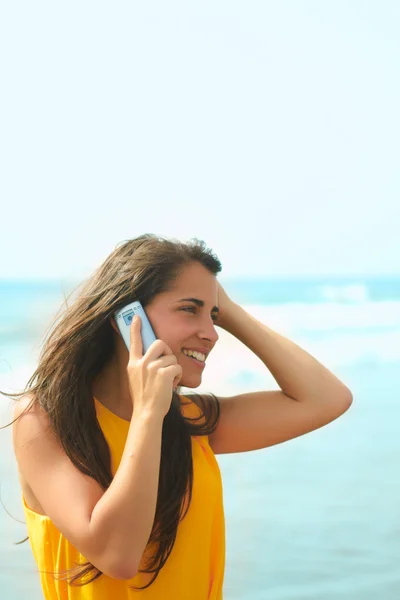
<point x="195" y="274"/>
<point x="194" y="284"/>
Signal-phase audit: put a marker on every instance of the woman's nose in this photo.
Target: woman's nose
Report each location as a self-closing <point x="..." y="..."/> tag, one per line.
<point x="209" y="332"/>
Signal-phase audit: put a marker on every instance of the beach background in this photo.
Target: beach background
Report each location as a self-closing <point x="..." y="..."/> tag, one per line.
<point x="270" y="130"/>
<point x="315" y="517"/>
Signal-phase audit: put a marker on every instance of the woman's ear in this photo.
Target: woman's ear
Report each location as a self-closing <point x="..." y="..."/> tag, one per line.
<point x="114" y="324"/>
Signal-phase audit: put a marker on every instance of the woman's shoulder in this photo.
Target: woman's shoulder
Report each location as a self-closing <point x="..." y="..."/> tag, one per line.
<point x="30" y="425"/>
<point x="30" y="420"/>
<point x="27" y="407"/>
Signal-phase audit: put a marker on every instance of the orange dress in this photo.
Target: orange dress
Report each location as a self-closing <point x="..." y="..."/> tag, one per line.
<point x="195" y="568"/>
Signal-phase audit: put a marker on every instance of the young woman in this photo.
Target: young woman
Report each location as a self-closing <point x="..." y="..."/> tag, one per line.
<point x="120" y="486"/>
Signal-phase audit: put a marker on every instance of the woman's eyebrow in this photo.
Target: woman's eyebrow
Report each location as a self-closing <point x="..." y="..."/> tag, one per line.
<point x="198" y="302"/>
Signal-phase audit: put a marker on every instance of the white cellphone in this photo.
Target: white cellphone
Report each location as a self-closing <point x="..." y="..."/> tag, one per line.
<point x="124" y="317"/>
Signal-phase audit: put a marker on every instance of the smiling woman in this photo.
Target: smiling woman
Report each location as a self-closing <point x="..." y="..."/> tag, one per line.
<point x="120" y="487"/>
<point x="120" y="484"/>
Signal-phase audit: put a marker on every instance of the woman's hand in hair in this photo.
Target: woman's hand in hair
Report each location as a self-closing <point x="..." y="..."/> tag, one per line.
<point x="226" y="307"/>
<point x="153" y="376"/>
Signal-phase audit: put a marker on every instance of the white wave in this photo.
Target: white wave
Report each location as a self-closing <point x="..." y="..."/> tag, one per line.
<point x="329" y="316"/>
<point x="346" y="293"/>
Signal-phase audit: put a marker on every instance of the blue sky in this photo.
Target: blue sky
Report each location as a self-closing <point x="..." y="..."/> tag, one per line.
<point x="269" y="129"/>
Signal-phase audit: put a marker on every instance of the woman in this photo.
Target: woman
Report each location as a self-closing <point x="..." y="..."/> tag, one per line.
<point x="117" y="469"/>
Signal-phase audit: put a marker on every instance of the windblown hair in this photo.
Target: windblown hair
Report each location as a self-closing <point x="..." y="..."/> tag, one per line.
<point x="81" y="343"/>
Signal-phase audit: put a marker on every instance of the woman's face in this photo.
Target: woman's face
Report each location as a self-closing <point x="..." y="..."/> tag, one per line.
<point x="186" y="324"/>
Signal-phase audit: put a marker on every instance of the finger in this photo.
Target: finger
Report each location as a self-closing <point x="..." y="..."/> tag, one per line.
<point x="136" y="345"/>
<point x="176" y="370"/>
<point x="165" y="361"/>
<point x="157" y="349"/>
<point x="177" y="378"/>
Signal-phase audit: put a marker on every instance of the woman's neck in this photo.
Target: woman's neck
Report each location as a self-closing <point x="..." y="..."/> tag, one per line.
<point x="111" y="388"/>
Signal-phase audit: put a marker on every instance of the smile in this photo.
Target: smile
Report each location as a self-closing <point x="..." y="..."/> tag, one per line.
<point x="200" y="364"/>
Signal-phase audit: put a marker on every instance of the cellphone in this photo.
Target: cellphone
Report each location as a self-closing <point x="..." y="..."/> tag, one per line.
<point x="123" y="318"/>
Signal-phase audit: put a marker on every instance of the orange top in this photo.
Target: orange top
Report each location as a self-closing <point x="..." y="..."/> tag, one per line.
<point x="195" y="568"/>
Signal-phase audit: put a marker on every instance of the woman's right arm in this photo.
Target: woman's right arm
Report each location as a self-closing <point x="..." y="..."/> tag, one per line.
<point x="111" y="529"/>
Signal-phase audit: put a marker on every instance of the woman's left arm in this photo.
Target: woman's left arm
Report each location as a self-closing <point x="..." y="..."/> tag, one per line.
<point x="311" y="396"/>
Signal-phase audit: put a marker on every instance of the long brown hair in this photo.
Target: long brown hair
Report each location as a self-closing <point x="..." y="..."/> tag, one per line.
<point x="75" y="352"/>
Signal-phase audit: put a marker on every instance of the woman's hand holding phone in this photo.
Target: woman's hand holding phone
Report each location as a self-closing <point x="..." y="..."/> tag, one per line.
<point x="152" y="376"/>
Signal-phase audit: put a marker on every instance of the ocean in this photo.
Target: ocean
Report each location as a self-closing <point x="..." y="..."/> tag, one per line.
<point x="313" y="518"/>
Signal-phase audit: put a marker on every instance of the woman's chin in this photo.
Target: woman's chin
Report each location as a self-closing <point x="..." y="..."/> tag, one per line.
<point x="191" y="381"/>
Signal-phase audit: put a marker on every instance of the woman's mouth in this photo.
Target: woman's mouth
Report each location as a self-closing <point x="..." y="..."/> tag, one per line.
<point x="198" y="363"/>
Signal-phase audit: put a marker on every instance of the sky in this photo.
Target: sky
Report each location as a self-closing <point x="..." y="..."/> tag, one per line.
<point x="268" y="129"/>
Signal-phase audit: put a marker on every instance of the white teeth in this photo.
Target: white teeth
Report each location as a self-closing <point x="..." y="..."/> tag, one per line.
<point x="198" y="355"/>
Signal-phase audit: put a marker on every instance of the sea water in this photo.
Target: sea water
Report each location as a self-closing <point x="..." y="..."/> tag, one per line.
<point x="316" y="517"/>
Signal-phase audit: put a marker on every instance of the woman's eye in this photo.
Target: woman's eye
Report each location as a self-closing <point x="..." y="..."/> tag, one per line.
<point x="193" y="310"/>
